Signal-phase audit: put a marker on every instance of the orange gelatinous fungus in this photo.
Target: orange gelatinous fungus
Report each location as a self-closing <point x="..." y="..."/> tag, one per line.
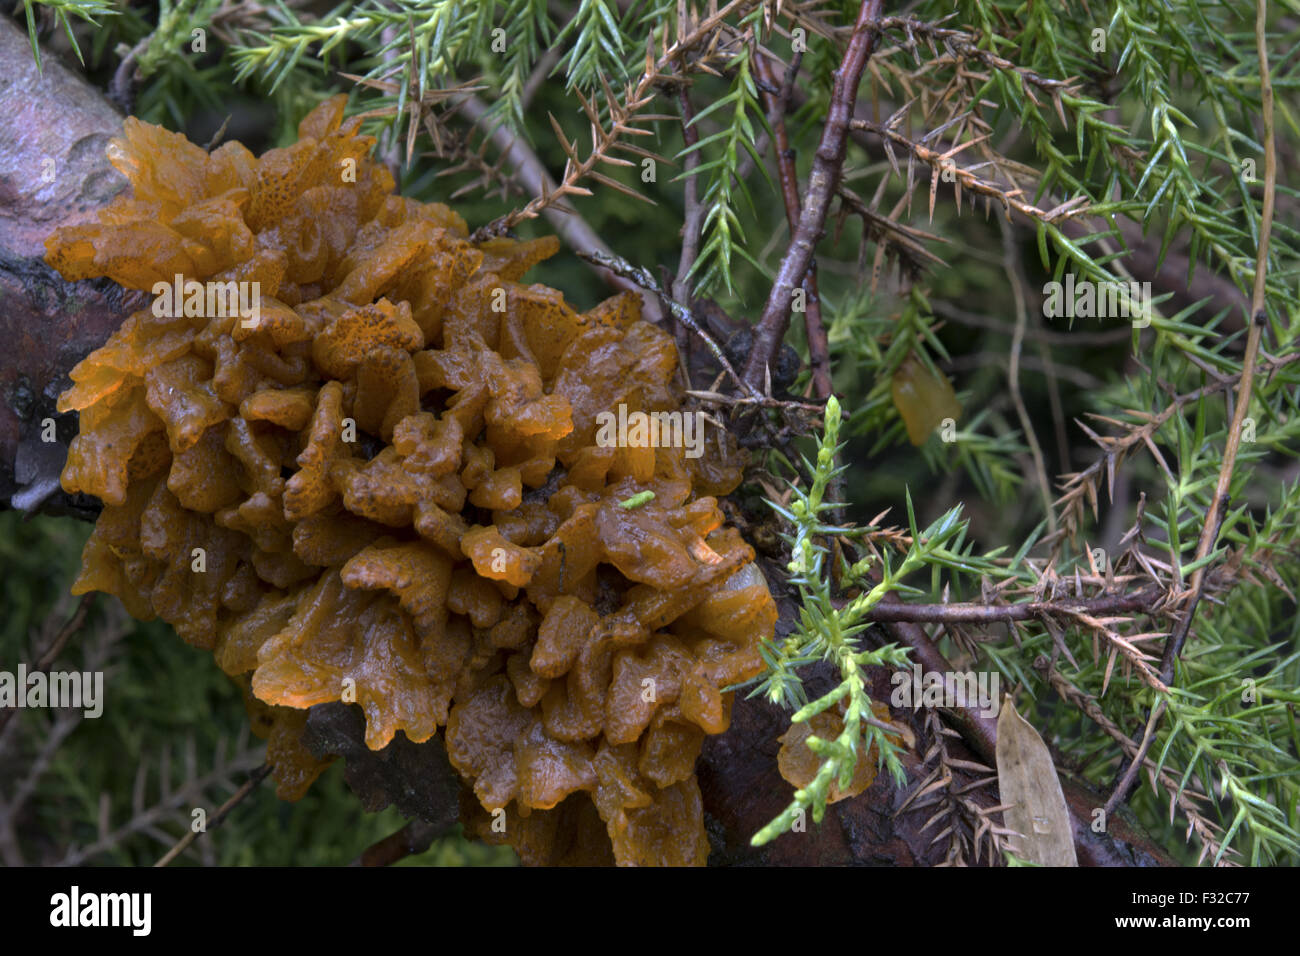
<point x="337" y="463"/>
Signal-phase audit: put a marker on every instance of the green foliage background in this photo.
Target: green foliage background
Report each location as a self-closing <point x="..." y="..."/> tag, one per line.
<point x="162" y="694"/>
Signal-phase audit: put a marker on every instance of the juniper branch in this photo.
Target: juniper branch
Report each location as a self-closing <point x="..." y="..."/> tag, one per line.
<point x="1144" y="600"/>
<point x="623" y="115"/>
<point x="825" y="176"/>
<point x="777" y="103"/>
<point x="1219" y="502"/>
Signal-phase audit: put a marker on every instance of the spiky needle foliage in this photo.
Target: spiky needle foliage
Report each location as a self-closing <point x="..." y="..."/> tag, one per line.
<point x="827" y="632"/>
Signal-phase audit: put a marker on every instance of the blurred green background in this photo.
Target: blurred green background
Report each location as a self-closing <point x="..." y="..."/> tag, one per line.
<point x="170" y="717"/>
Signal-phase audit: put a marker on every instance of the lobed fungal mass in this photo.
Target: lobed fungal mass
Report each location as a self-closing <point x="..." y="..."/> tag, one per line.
<point x="387" y="490"/>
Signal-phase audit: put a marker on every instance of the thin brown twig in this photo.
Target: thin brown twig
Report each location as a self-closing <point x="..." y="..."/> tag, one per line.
<point x="979" y="732"/>
<point x="70" y="627"/>
<point x="412" y="839"/>
<point x="759" y="401"/>
<point x="1116" y="447"/>
<point x="51" y="654"/>
<point x="818" y="344"/>
<point x="623" y="116"/>
<point x="1141" y="600"/>
<point x="642" y="277"/>
<point x="121" y="88"/>
<point x="969" y="823"/>
<point x="1220" y="501"/>
<point x="1073" y="339"/>
<point x="963" y="45"/>
<point x="904" y="242"/>
<point x="1180" y="795"/>
<point x="421" y="107"/>
<point x="1125" y="646"/>
<point x="1129" y="776"/>
<point x="254" y="778"/>
<point x="692" y="222"/>
<point x="1014" y="275"/>
<point x="146" y="819"/>
<point x="1028" y="363"/>
<point x="827" y="168"/>
<point x="963" y="178"/>
<point x="529" y="172"/>
<point x="1259" y="317"/>
<point x="694" y="217"/>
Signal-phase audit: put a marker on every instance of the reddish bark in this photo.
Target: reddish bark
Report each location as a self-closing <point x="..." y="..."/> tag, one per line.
<point x="828" y="164"/>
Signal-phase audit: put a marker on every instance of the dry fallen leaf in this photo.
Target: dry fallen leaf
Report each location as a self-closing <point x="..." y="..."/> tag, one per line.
<point x="922" y="400"/>
<point x="799" y="765"/>
<point x="1028" y="784"/>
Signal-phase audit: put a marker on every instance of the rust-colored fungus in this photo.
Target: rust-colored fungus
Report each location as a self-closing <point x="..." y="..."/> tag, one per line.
<point x="378" y="481"/>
